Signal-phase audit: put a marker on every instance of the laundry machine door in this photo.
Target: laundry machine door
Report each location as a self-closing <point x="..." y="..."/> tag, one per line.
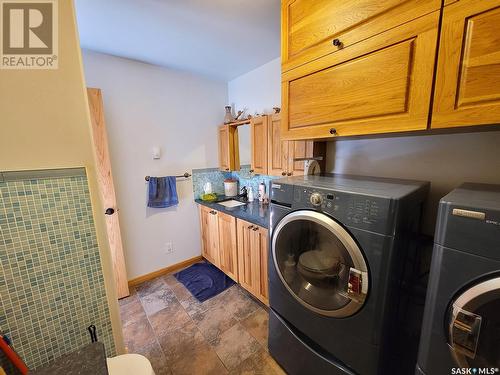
<point x="320" y="264"/>
<point x="474" y="326"/>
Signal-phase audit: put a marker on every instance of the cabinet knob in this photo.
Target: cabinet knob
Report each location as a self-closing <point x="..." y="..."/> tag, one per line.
<point x="283" y="173"/>
<point x="250" y="227"/>
<point x="289" y="174"/>
<point x="251" y="170"/>
<point x="227" y="169"/>
<point x="333" y="131"/>
<point x="337" y="42"/>
<point x="255" y="229"/>
<point x="109" y="211"/>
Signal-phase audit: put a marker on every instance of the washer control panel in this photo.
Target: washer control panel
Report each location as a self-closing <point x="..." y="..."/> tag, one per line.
<point x="352" y="209"/>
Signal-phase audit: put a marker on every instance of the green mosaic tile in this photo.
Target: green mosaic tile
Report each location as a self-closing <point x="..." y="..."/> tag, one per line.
<point x="51" y="279"/>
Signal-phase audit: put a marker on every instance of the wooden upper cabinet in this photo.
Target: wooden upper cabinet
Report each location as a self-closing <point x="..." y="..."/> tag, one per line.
<point x="209" y="235"/>
<point x="227" y="152"/>
<point x="277" y="153"/>
<point x="309" y="27"/>
<point x="467" y="90"/>
<point x="382" y="84"/>
<point x="258" y="136"/>
<point x="228" y="253"/>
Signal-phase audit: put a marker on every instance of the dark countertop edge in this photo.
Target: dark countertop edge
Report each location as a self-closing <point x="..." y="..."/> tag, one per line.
<point x="237" y="212"/>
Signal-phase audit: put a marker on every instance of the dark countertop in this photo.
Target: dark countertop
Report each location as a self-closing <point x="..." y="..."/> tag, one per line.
<point x="254" y="212"/>
<point x="90" y="359"/>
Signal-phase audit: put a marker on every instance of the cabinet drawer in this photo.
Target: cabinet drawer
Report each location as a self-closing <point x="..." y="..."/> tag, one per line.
<point x="382" y="84"/>
<point x="468" y="71"/>
<point x="310" y="26"/>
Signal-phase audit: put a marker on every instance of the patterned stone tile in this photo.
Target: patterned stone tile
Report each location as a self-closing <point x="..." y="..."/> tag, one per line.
<point x="202" y="359"/>
<point x="257" y="324"/>
<point x="239" y="303"/>
<point x="132" y="297"/>
<point x="151" y="286"/>
<point x="157" y="358"/>
<point x="170" y="280"/>
<point x="157" y="300"/>
<point x="132" y="311"/>
<point x="181" y="292"/>
<point x="177" y="343"/>
<point x="169" y="319"/>
<point x="138" y="335"/>
<point x="260" y="363"/>
<point x="235" y="346"/>
<point x="214" y="321"/>
<point x="193" y="306"/>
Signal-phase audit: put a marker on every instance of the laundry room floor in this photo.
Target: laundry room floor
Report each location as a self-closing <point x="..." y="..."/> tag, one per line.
<point x="226" y="334"/>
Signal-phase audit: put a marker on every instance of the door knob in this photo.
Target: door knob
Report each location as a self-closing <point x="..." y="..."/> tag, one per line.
<point x="109" y="211"/>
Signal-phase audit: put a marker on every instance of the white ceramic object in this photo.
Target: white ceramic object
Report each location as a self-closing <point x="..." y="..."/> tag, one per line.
<point x="230" y="188"/>
<point x="207" y="188"/>
<point x="231" y="203"/>
<point x="250" y="195"/>
<point x="129" y="364"/>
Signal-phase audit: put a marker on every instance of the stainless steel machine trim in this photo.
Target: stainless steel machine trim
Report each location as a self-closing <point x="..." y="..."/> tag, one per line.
<point x="488" y="286"/>
<point x="337" y="230"/>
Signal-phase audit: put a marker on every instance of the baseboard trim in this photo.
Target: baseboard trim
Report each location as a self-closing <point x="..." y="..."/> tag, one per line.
<point x="174" y="267"/>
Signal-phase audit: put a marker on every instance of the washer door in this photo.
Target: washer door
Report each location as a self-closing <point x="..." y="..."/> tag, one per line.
<point x="474" y="326"/>
<point x="320" y="263"/>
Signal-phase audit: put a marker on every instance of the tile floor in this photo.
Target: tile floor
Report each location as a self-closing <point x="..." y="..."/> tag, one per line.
<point x="226" y="334"/>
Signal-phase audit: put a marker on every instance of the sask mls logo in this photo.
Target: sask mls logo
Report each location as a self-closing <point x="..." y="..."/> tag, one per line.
<point x="28" y="34"/>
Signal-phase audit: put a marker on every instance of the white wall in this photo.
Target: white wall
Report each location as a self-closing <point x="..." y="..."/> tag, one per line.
<point x="148" y="106"/>
<point x="257" y="90"/>
<point x="446" y="160"/>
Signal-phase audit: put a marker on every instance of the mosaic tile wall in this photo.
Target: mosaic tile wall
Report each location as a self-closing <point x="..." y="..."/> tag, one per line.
<point x="216" y="177"/>
<point x="51" y="281"/>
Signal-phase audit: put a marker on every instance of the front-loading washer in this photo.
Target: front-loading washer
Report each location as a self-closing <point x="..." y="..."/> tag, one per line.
<point x="461" y="327"/>
<point x="341" y="266"/>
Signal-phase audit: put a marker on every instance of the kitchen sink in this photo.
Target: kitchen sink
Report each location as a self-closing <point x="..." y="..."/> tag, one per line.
<point x="231" y="203"/>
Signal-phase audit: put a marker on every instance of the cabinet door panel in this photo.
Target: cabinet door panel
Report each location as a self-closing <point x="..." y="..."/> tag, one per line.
<point x="277" y="149"/>
<point x="382" y="84"/>
<point x="468" y="74"/>
<point x="299" y="149"/>
<point x="227" y="151"/>
<point x="227" y="245"/>
<point x="263" y="288"/>
<point x="258" y="130"/>
<point x="209" y="235"/>
<point x="309" y="26"/>
<point x="245" y="269"/>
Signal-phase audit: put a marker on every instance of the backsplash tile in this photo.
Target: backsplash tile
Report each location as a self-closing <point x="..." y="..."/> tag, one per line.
<point x="217" y="177"/>
<point x="51" y="279"/>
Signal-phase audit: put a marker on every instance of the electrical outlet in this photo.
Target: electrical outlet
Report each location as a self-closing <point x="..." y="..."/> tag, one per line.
<point x="169" y="247"/>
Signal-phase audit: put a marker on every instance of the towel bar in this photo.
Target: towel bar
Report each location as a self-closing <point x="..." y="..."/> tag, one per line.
<point x="185" y="175"/>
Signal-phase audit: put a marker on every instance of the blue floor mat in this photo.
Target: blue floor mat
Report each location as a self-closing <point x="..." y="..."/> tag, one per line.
<point x="204" y="280"/>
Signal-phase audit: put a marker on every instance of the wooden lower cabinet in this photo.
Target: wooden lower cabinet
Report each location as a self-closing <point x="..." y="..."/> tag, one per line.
<point x="209" y="235"/>
<point x="252" y="259"/>
<point x="468" y="72"/>
<point x="228" y="254"/>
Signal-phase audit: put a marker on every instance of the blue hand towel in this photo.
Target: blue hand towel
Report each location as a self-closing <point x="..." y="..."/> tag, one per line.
<point x="162" y="192"/>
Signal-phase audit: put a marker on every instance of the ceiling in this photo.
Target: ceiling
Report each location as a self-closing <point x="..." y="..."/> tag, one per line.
<point x="218" y="38"/>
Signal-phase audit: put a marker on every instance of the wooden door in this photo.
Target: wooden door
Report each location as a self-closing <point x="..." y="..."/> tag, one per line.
<point x="107" y="190"/>
<point x="259" y="246"/>
<point x="277" y="150"/>
<point x="467" y="88"/>
<point x="228" y="252"/>
<point x="258" y="136"/>
<point x="209" y="235"/>
<point x="382" y="84"/>
<point x="299" y="149"/>
<point x="310" y="27"/>
<point x="245" y="264"/>
<point x="227" y="148"/>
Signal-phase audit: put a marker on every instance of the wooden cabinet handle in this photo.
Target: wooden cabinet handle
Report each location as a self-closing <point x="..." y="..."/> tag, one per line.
<point x="337" y="43"/>
<point x="333" y="131"/>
